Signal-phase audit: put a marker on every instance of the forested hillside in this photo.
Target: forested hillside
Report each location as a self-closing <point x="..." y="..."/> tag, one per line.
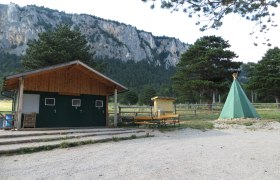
<point x="9" y="64"/>
<point x="138" y="74"/>
<point x="134" y="75"/>
<point x="132" y="57"/>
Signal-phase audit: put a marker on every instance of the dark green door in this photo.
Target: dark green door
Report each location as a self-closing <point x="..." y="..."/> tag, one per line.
<point x="99" y="110"/>
<point x="75" y="106"/>
<point x="62" y="111"/>
<point x="49" y="111"/>
<point x="69" y="111"/>
<point x="87" y="115"/>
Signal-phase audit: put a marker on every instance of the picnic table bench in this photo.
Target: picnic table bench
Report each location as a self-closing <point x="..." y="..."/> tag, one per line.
<point x="170" y="119"/>
<point x="162" y="120"/>
<point x="146" y="120"/>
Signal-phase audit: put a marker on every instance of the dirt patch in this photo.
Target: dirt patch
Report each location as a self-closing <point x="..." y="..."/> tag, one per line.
<point x="249" y="124"/>
<point x="231" y="153"/>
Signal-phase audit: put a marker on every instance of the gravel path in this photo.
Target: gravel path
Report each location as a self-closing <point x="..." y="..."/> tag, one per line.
<point x="227" y="154"/>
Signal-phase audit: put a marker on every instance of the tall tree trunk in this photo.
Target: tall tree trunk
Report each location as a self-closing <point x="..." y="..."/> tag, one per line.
<point x="214" y="97"/>
<point x="277" y="101"/>
<point x="209" y="104"/>
<point x="252" y="96"/>
<point x="256" y="97"/>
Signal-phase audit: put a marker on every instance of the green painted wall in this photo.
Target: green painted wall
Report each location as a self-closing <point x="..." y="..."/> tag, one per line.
<point x="63" y="114"/>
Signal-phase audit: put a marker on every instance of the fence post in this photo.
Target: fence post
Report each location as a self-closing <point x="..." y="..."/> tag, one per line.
<point x="120" y="110"/>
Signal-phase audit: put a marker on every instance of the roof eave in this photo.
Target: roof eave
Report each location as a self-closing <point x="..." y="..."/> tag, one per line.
<point x="63" y="65"/>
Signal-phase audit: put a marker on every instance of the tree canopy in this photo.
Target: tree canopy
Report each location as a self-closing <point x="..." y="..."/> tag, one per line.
<point x="211" y="12"/>
<point x="130" y="98"/>
<point x="266" y="75"/>
<point x="148" y="93"/>
<point x="204" y="69"/>
<point x="57" y="46"/>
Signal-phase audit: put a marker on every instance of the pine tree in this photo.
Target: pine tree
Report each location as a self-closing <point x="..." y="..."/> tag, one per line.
<point x="204" y="69"/>
<point x="57" y="46"/>
<point x="147" y="94"/>
<point x="265" y="78"/>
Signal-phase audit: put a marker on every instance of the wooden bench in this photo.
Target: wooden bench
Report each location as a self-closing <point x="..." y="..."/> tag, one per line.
<point x="29" y="120"/>
<point x="162" y="120"/>
<point x="171" y="119"/>
<point x="126" y="120"/>
<point x="146" y="120"/>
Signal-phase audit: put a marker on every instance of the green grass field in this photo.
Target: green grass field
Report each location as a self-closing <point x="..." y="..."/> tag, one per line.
<point x="5" y="105"/>
<point x="202" y="118"/>
<point x="270" y="114"/>
<point x="194" y="119"/>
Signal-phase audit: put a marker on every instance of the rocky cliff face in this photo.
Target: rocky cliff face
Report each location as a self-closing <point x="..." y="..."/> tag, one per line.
<point x="108" y="39"/>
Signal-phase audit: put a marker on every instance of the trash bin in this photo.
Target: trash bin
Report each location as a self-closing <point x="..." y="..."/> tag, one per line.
<point x="8" y="121"/>
<point x="1" y="120"/>
<point x="1" y="123"/>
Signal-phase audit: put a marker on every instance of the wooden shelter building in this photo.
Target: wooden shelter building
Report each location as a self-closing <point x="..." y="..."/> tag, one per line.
<point x="163" y="105"/>
<point x="71" y="94"/>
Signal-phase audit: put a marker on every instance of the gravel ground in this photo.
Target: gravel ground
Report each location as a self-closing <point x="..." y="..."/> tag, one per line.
<point x="227" y="154"/>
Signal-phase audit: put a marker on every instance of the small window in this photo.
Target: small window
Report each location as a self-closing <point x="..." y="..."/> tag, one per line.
<point x="76" y="102"/>
<point x="98" y="103"/>
<point x="50" y="101"/>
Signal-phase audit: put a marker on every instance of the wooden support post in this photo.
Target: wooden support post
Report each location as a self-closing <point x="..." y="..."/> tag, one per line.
<point x="20" y="102"/>
<point x="107" y="112"/>
<point x="120" y="110"/>
<point x="116" y="108"/>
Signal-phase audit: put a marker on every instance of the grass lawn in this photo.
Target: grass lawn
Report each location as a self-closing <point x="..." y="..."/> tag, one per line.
<point x="270" y="114"/>
<point x="5" y="105"/>
<point x="202" y="119"/>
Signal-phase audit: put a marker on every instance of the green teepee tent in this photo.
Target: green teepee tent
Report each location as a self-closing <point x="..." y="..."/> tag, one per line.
<point x="237" y="104"/>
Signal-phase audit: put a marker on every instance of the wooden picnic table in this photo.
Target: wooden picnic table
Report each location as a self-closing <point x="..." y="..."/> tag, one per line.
<point x="170" y="119"/>
<point x="162" y="120"/>
<point x="146" y="120"/>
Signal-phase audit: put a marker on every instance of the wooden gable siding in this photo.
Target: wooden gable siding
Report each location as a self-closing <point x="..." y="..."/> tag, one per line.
<point x="71" y="78"/>
<point x="65" y="81"/>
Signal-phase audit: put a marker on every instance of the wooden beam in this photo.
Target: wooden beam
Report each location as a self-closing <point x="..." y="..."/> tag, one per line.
<point x="116" y="108"/>
<point x="69" y="94"/>
<point x="107" y="111"/>
<point x="20" y="102"/>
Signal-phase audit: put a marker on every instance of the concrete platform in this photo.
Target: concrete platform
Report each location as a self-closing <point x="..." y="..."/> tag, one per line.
<point x="12" y="141"/>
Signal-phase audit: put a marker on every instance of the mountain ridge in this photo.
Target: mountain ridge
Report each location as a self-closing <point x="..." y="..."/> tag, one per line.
<point x="109" y="39"/>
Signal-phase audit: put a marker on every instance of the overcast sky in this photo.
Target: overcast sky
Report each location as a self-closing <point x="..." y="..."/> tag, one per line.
<point x="164" y="23"/>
